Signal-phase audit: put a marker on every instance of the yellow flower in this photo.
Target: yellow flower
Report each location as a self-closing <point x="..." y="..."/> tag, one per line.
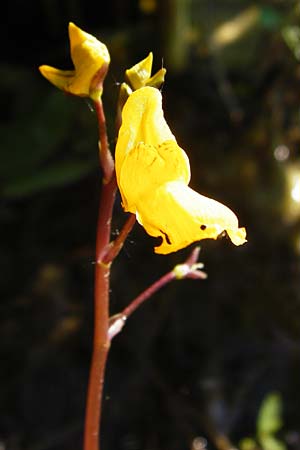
<point x="153" y="173"/>
<point x="90" y="58"/>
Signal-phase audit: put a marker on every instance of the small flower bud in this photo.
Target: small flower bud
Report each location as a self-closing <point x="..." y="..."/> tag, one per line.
<point x="91" y="60"/>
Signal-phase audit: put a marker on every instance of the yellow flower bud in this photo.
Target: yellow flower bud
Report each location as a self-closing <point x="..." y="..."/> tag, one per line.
<point x="140" y="72"/>
<point x="139" y="75"/>
<point x="90" y="58"/>
<point x="153" y="173"/>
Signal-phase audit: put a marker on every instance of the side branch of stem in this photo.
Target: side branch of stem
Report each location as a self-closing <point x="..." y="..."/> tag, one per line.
<point x="116" y="245"/>
<point x="189" y="269"/>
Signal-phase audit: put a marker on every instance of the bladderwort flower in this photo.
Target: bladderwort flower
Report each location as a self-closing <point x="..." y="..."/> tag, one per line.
<point x="91" y="60"/>
<point x="153" y="174"/>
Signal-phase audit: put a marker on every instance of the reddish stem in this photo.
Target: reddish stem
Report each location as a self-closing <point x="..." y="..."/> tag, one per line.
<point x="106" y="159"/>
<point x="101" y="342"/>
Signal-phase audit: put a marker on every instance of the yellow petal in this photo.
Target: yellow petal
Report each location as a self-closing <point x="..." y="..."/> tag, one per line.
<point x="158" y="78"/>
<point x="146" y="167"/>
<point x="180" y="216"/>
<point x="78" y="36"/>
<point x="147" y="153"/>
<point x="88" y="55"/>
<point x="60" y="78"/>
<point x="90" y="58"/>
<point x="143" y="122"/>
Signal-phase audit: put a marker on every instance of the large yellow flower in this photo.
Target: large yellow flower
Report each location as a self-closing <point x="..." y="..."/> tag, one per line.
<point x="90" y="58"/>
<point x="153" y="173"/>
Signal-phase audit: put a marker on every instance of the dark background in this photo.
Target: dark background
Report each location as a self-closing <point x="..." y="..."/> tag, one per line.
<point x="193" y="365"/>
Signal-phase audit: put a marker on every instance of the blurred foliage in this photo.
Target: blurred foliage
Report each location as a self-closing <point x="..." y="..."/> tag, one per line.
<point x="191" y="366"/>
<point x="269" y="418"/>
<point x="268" y="423"/>
<point x="291" y="35"/>
<point x="30" y="145"/>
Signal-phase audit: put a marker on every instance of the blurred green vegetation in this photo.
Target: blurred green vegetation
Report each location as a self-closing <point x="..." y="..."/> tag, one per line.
<point x="195" y="365"/>
<point x="269" y="422"/>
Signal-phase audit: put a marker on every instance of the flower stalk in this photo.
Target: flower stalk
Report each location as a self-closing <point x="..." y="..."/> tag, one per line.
<point x="105" y="156"/>
<point x="101" y="343"/>
<point x="106" y="252"/>
<point x="189" y="269"/>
